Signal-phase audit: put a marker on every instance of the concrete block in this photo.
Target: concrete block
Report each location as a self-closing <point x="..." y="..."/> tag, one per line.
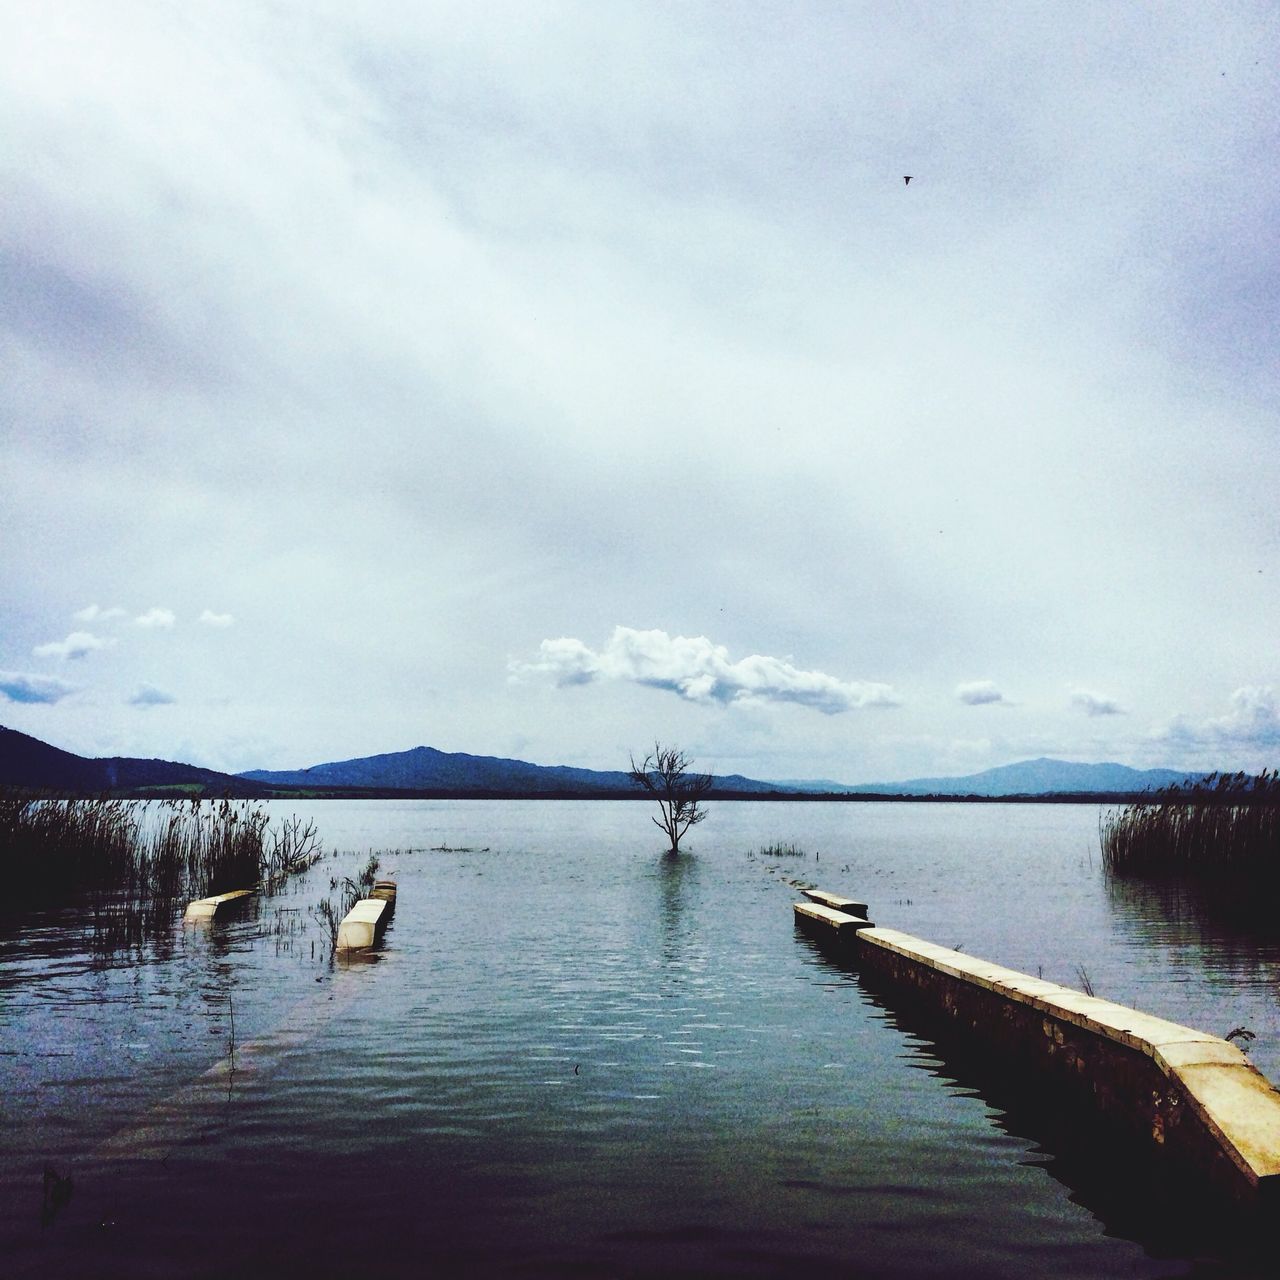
<point x="850" y="906"/>
<point x="207" y="908"/>
<point x="1240" y="1105"/>
<point x="828" y="920"/>
<point x="385" y="890"/>
<point x="363" y="924"/>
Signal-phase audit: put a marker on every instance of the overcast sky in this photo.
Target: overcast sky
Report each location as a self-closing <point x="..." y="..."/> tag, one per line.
<point x="541" y="379"/>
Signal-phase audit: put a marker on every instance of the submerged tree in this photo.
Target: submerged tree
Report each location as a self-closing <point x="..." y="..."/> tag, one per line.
<point x="666" y="774"/>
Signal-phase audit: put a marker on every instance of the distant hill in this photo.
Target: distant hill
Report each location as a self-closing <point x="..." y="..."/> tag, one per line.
<point x="426" y="769"/>
<point x="28" y="762"/>
<point x="1035" y="777"/>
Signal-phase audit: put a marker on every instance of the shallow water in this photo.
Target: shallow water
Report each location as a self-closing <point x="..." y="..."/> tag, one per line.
<point x="574" y="1056"/>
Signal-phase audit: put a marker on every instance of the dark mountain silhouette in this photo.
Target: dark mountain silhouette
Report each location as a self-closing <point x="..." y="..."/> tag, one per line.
<point x="426" y="769"/>
<point x="28" y="762"/>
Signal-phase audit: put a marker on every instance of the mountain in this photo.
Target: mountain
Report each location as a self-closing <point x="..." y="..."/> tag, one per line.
<point x="1035" y="777"/>
<point x="28" y="762"/>
<point x="426" y="769"/>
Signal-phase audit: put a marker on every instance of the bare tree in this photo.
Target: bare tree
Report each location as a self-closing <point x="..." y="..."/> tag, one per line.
<point x="666" y="774"/>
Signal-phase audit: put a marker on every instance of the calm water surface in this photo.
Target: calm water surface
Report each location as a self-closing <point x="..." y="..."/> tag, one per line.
<point x="573" y="1056"/>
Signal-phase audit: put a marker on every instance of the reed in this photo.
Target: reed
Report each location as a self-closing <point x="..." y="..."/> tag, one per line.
<point x="48" y="846"/>
<point x="134" y="861"/>
<point x="1227" y="825"/>
<point x="779" y="850"/>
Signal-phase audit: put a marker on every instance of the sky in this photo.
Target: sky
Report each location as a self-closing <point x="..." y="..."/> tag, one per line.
<point x="547" y="379"/>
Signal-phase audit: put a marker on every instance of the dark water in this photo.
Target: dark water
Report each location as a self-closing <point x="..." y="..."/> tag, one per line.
<point x="575" y="1057"/>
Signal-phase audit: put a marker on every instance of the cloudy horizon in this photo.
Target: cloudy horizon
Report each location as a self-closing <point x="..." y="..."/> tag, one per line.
<point x="541" y="380"/>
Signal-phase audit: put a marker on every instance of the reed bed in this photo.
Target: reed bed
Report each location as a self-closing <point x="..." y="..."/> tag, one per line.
<point x="1227" y="825"/>
<point x="779" y="850"/>
<point x="135" y="861"/>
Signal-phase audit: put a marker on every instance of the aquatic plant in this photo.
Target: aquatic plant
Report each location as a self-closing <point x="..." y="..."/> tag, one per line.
<point x="136" y="861"/>
<point x="779" y="850"/>
<point x="286" y="928"/>
<point x="1226" y="824"/>
<point x="1243" y="1035"/>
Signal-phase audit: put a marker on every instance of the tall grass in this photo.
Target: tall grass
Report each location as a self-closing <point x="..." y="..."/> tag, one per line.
<point x="136" y="860"/>
<point x="1227" y="825"/>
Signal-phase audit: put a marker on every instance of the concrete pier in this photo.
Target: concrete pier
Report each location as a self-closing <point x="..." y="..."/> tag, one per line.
<point x="1192" y="1095"/>
<point x="207" y="908"/>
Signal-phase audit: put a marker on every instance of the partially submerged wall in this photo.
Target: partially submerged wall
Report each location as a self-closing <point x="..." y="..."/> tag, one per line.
<point x="1193" y="1095"/>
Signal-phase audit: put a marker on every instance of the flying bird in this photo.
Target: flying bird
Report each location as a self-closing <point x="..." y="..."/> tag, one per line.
<point x="907" y="180"/>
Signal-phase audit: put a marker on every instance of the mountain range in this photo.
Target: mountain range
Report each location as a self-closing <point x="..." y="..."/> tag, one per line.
<point x="28" y="762"/>
<point x="1036" y="777"/>
<point x="426" y="769"/>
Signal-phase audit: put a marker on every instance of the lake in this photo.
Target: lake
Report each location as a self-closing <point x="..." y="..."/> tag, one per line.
<point x="574" y="1056"/>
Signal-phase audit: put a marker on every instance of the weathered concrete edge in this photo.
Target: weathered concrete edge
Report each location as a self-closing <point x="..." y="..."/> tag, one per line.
<point x="207" y="908"/>
<point x="839" y="921"/>
<point x="850" y="906"/>
<point x="1229" y="1095"/>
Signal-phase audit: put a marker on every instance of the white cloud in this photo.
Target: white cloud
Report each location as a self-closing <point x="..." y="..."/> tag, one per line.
<point x="1095" y="704"/>
<point x="977" y="693"/>
<point x="76" y="645"/>
<point x="700" y="671"/>
<point x="147" y="695"/>
<point x="156" y="617"/>
<point x="211" y="619"/>
<point x="646" y="349"/>
<point x="17" y="686"/>
<point x="92" y="613"/>
<point x="1252" y="724"/>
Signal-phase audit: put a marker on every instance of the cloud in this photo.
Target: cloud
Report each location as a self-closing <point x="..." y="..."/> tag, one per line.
<point x="977" y="693"/>
<point x="76" y="645"/>
<point x="700" y="671"/>
<point x="147" y="695"/>
<point x="211" y="619"/>
<point x="1095" y="704"/>
<point x="19" y="687"/>
<point x="1253" y="723"/>
<point x="665" y="350"/>
<point x="156" y="618"/>
<point x="92" y="613"/>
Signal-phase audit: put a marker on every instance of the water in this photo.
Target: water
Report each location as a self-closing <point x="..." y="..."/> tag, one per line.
<point x="573" y="1056"/>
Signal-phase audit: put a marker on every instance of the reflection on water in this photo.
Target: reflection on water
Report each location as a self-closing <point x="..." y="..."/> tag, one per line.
<point x="576" y="1055"/>
<point x="674" y="875"/>
<point x="1226" y="915"/>
<point x="1218" y="944"/>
